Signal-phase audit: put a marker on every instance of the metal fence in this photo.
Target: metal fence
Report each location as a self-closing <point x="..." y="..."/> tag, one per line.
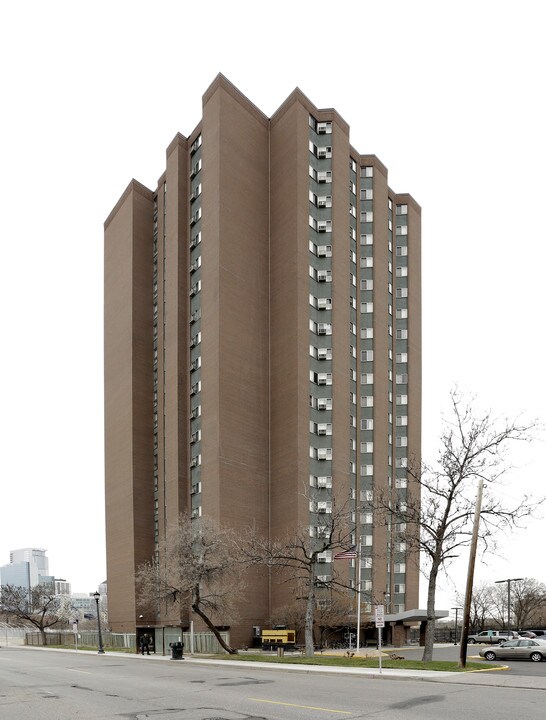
<point x="203" y="642"/>
<point x="10" y="635"/>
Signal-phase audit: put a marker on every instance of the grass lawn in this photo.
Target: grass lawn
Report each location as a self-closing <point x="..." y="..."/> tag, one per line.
<point x="371" y="662"/>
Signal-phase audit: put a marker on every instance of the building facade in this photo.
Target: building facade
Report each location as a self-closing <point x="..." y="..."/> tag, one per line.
<point x="262" y="335"/>
<point x="27" y="568"/>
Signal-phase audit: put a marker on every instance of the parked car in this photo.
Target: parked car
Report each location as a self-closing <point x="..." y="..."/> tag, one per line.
<point x="524" y="648"/>
<point x="527" y="634"/>
<point x="538" y="633"/>
<point x="492" y="636"/>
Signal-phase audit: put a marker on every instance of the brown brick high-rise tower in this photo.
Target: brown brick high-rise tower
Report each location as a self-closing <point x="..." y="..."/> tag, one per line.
<point x="262" y="333"/>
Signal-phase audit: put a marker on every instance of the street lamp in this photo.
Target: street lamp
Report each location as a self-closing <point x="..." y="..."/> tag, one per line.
<point x="508" y="581"/>
<point x="456" y="613"/>
<point x="96" y="595"/>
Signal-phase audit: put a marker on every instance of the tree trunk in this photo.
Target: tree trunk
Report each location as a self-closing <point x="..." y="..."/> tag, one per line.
<point x="431" y="614"/>
<point x="309" y="614"/>
<point x="197" y="610"/>
<point x="43" y="634"/>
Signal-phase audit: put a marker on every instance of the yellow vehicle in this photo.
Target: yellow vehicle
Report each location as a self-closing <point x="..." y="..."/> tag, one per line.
<point x="272" y="639"/>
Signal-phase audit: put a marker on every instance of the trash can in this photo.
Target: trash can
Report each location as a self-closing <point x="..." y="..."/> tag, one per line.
<point x="177" y="650"/>
<point x="280" y="652"/>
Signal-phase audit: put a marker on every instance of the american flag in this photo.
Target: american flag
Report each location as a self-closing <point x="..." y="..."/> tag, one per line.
<point x="350" y="553"/>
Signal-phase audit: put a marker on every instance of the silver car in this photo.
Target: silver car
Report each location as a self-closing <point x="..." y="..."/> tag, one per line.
<point x="524" y="648"/>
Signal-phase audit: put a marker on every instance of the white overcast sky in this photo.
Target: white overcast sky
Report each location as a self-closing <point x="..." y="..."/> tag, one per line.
<point x="450" y="96"/>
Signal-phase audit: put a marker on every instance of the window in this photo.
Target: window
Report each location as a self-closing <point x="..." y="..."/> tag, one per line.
<point x="366" y="307"/>
<point x="324" y="329"/>
<point x="321" y="378"/>
<point x="366" y="424"/>
<point x="366" y="540"/>
<point x="401" y="357"/>
<point x="366" y="239"/>
<point x="324" y="201"/>
<point x="194" y="289"/>
<point x="401" y="250"/>
<point x="366" y="216"/>
<point x="366" y="284"/>
<point x="399" y="588"/>
<point x="323" y="250"/>
<point x="366" y="194"/>
<point x="366" y="355"/>
<point x="401" y="462"/>
<point x="399" y="567"/>
<point x="401" y="420"/>
<point x="196" y="144"/>
<point x="366" y="378"/>
<point x="401" y="271"/>
<point x="322" y="303"/>
<point x="366" y="333"/>
<point x="366" y="447"/>
<point x="324" y="128"/>
<point x="401" y="209"/>
<point x="401" y="399"/>
<point x="401" y="378"/>
<point x="320" y="428"/>
<point x="366" y="401"/>
<point x="321" y="453"/>
<point x="366" y="262"/>
<point x="320" y="275"/>
<point x="196" y="339"/>
<point x="401" y="334"/>
<point x="321" y="403"/>
<point x="366" y="171"/>
<point x="401" y="313"/>
<point x="195" y="169"/>
<point x="401" y="441"/>
<point x="402" y="292"/>
<point x="401" y="229"/>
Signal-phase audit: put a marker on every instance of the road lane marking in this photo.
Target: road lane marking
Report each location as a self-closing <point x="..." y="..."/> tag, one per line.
<point x="85" y="672"/>
<point x="306" y="707"/>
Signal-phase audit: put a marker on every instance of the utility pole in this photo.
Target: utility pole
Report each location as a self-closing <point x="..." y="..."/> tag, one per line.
<point x="470" y="577"/>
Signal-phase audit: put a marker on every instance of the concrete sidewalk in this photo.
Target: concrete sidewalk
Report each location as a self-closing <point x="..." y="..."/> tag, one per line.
<point x="498" y="676"/>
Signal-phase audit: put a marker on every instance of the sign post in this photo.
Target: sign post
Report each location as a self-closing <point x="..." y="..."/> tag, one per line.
<point x="379" y="624"/>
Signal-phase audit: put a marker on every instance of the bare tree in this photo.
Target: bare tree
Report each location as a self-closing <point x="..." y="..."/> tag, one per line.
<point x="198" y="566"/>
<point x="527" y="596"/>
<point x="296" y="559"/>
<point x="38" y="606"/>
<point x="482" y="606"/>
<point x="439" y="517"/>
<point x="335" y="613"/>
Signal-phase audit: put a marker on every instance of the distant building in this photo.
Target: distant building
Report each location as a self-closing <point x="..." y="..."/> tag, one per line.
<point x="83" y="605"/>
<point x="62" y="587"/>
<point x="27" y="568"/>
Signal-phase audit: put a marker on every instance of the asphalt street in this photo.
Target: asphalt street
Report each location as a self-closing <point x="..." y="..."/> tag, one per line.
<point x="61" y="685"/>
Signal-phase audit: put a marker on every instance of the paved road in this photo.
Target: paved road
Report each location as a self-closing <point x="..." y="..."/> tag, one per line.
<point x="68" y="686"/>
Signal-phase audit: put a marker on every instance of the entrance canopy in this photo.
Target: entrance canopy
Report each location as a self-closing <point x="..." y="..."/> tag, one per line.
<point x="415" y="616"/>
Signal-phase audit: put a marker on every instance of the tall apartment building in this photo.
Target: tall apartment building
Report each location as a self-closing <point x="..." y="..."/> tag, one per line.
<point x="262" y="335"/>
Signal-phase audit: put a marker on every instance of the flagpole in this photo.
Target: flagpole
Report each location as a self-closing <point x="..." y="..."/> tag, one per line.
<point x="358" y="582"/>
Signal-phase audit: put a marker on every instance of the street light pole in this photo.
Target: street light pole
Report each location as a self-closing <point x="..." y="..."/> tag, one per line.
<point x="96" y="595"/>
<point x="456" y="614"/>
<point x="508" y="581"/>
